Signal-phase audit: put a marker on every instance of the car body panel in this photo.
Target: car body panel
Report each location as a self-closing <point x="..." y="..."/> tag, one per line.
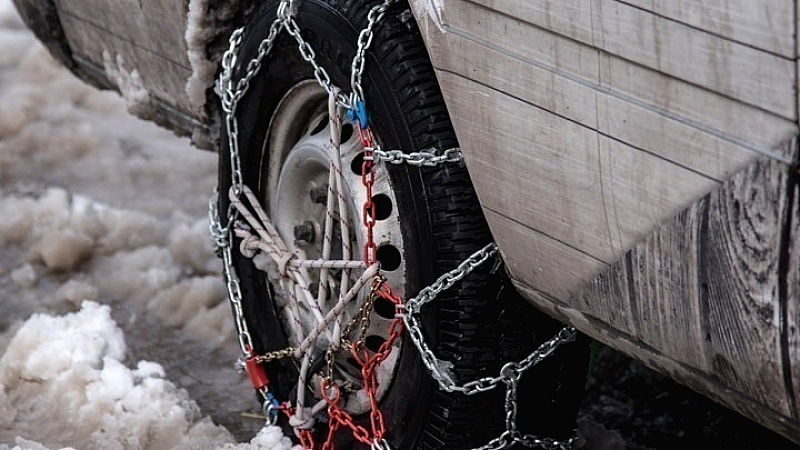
<point x="636" y="171"/>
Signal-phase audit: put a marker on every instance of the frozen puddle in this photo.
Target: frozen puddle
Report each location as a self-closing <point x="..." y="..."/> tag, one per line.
<point x="65" y="384"/>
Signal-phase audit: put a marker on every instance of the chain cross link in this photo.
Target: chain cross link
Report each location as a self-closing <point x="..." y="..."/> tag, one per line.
<point x="510" y="372"/>
<point x="364" y="41"/>
<point x="423" y="158"/>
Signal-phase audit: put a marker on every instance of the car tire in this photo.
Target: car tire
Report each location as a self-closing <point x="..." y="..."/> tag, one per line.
<point x="479" y="323"/>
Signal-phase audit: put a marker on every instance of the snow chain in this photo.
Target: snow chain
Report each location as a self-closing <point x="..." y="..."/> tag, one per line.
<point x="245" y="219"/>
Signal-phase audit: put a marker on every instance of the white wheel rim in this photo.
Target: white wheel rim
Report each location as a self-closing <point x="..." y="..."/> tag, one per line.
<point x="297" y="164"/>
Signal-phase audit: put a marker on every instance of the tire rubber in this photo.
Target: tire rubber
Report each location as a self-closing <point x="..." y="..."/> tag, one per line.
<point x="479" y="323"/>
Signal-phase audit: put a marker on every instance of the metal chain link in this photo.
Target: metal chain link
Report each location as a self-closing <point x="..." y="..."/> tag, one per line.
<point x="221" y="233"/>
<point x="510" y="373"/>
<point x="447" y="280"/>
<point x="230" y="96"/>
<point x="364" y="41"/>
<point x="437" y="368"/>
<point x="361" y="318"/>
<point x="422" y="158"/>
<point x="235" y="297"/>
<point x="274" y="355"/>
<point x="308" y="55"/>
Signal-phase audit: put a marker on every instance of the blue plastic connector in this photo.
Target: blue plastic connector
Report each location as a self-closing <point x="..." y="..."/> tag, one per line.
<point x="359" y="114"/>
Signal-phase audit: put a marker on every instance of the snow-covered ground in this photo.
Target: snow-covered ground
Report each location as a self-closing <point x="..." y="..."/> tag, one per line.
<point x="114" y="328"/>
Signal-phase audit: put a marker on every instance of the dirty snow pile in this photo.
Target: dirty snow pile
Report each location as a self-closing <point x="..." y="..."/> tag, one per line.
<point x="64" y="381"/>
<point x="76" y="361"/>
<point x="115" y="331"/>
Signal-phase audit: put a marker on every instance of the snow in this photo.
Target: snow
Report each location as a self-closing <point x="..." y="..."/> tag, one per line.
<point x="115" y="331"/>
<point x="208" y="23"/>
<point x="65" y="383"/>
<point x="129" y="84"/>
<point x="199" y="32"/>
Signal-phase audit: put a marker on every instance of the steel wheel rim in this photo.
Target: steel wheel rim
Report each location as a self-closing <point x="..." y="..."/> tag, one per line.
<point x="294" y="164"/>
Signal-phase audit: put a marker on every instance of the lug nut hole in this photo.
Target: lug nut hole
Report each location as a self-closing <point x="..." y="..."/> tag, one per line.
<point x="374" y="342"/>
<point x="384" y="308"/>
<point x="347" y="132"/>
<point x="383" y="206"/>
<point x="357" y="164"/>
<point x="389" y="257"/>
